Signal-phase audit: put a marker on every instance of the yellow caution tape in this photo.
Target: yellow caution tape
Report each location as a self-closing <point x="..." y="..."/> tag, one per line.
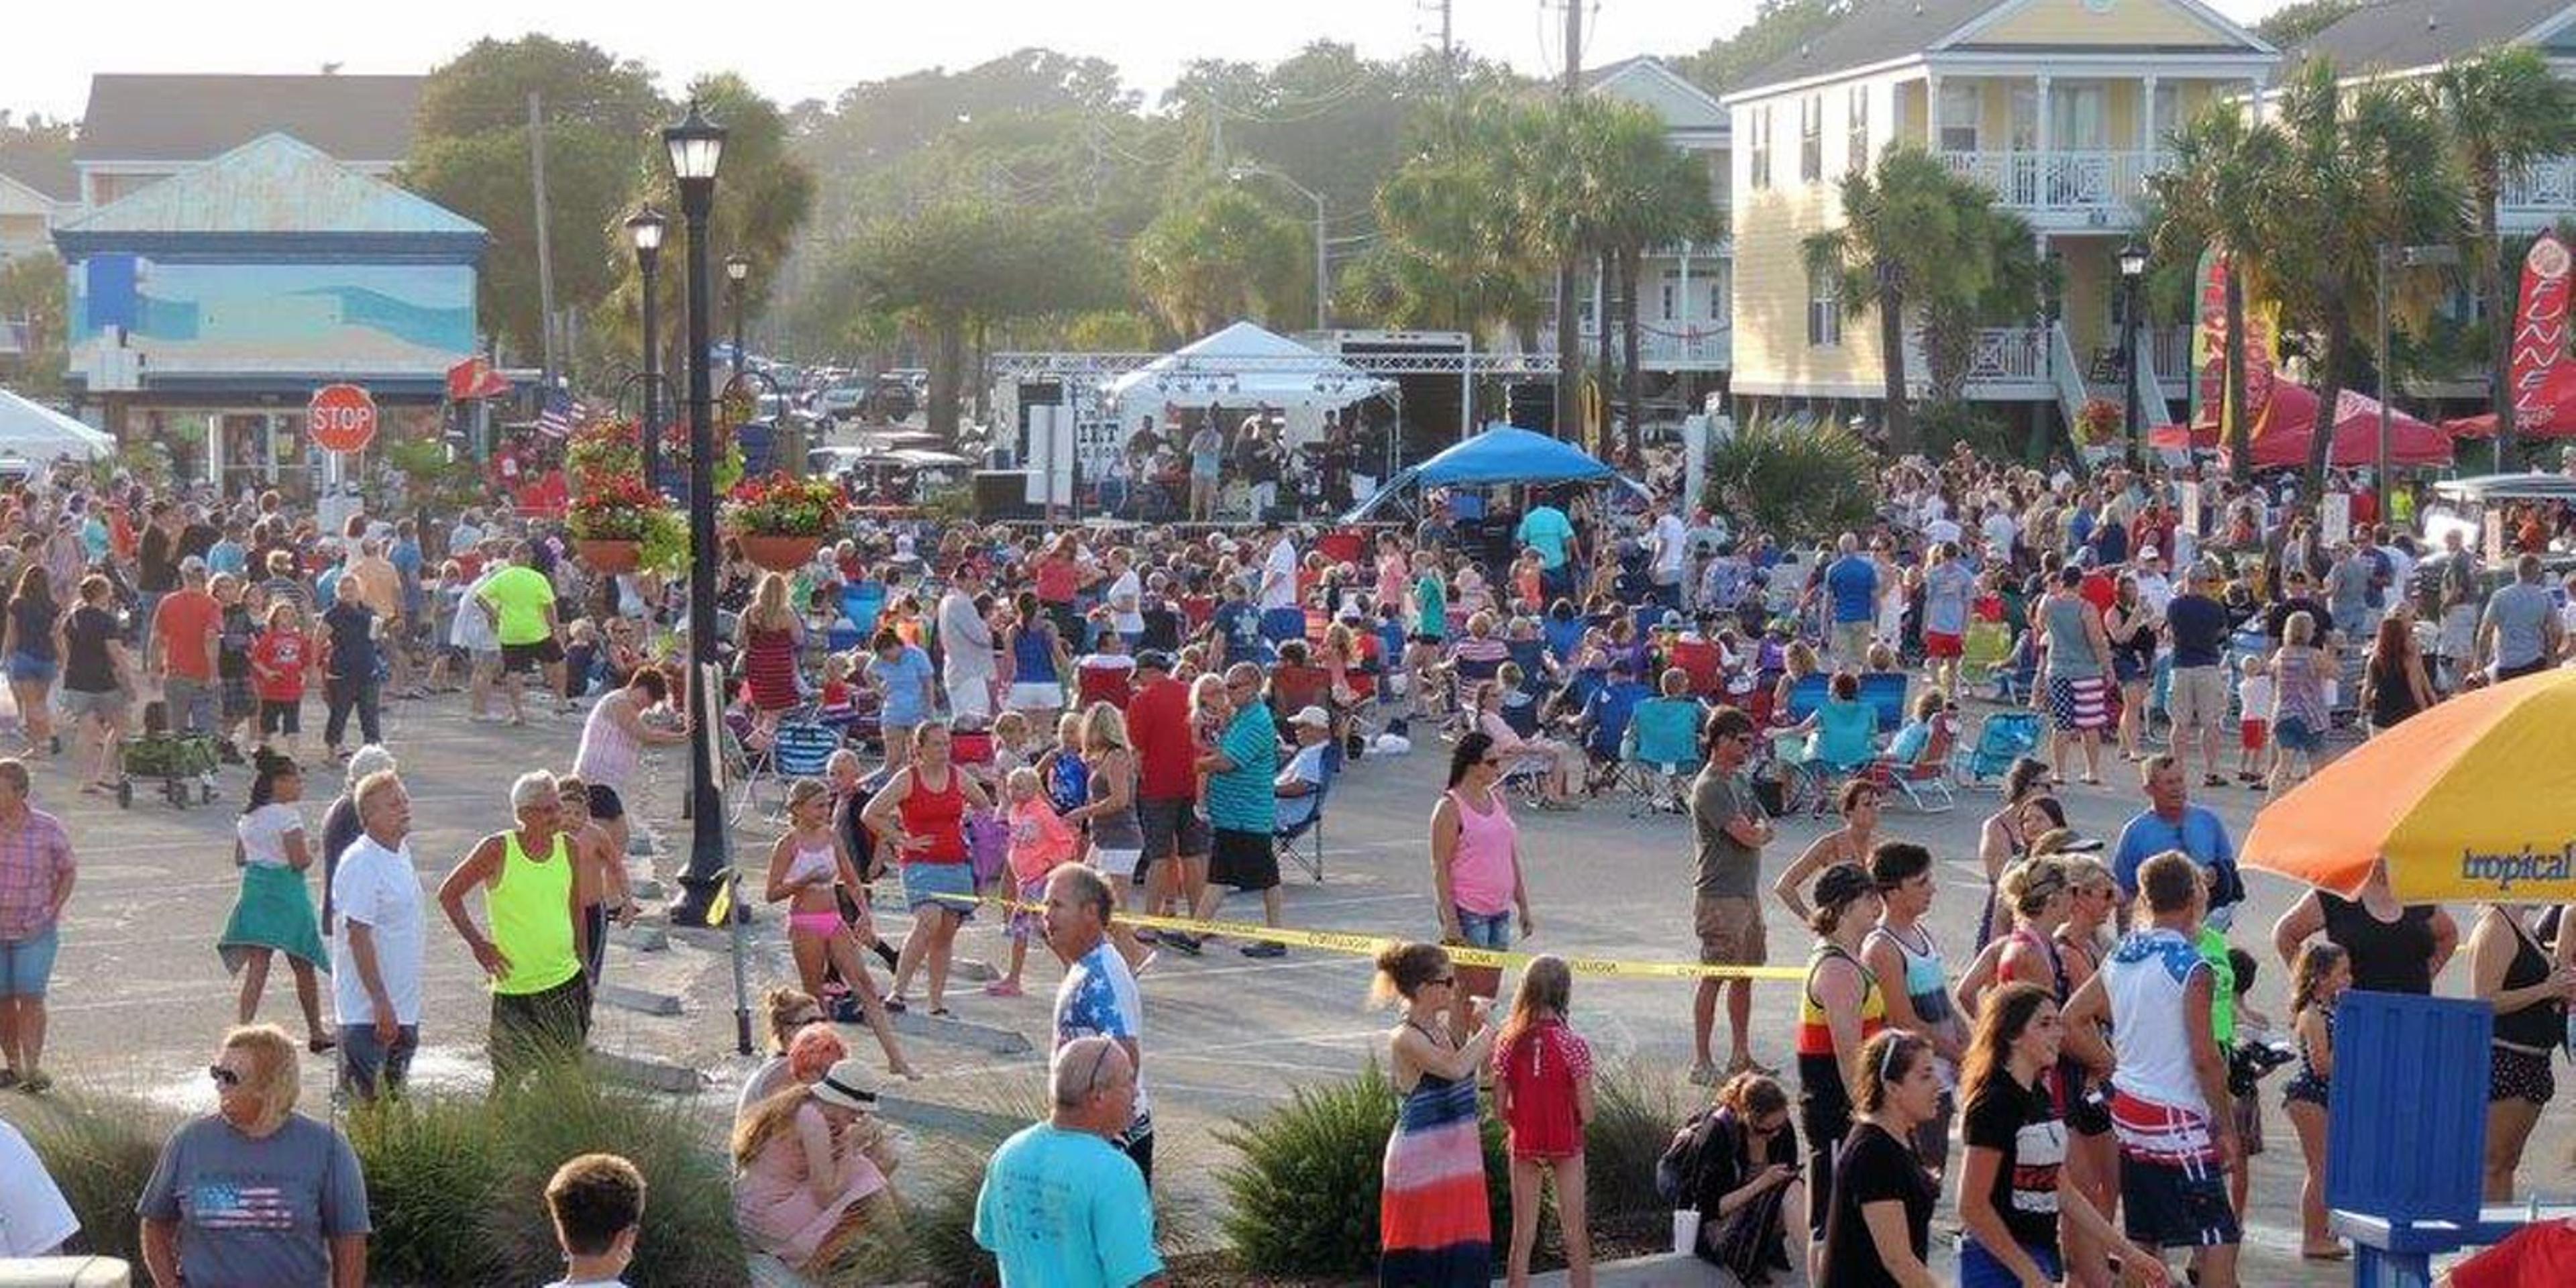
<point x="1364" y="944"/>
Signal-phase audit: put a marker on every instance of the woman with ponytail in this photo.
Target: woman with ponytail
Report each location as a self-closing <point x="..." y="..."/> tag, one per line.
<point x="274" y="913"/>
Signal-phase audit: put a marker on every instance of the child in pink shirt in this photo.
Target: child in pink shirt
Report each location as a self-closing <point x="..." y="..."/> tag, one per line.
<point x="1040" y="841"/>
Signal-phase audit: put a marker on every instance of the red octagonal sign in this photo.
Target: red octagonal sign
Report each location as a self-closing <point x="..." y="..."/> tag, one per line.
<point x="342" y="418"/>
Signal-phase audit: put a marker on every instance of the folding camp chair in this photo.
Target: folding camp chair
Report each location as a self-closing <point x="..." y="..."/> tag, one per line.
<point x="862" y="603"/>
<point x="1661" y="747"/>
<point x="1885" y="691"/>
<point x="1699" y="659"/>
<point x="800" y="747"/>
<point x="1987" y="646"/>
<point x="2002" y="738"/>
<point x="1302" y="843"/>
<point x="1610" y="708"/>
<point x="1924" y="780"/>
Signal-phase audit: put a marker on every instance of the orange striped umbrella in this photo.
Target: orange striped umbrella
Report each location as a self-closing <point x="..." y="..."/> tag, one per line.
<point x="2472" y="800"/>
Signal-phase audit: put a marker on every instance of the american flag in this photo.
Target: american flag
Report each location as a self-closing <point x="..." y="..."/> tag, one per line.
<point x="562" y="412"/>
<point x="222" y="1204"/>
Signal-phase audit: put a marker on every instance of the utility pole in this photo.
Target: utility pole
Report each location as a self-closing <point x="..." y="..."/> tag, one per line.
<point x="545" y="248"/>
<point x="1568" y="343"/>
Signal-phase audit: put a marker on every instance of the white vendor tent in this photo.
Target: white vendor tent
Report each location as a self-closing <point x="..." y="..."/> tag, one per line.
<point x="35" y="432"/>
<point x="1244" y="366"/>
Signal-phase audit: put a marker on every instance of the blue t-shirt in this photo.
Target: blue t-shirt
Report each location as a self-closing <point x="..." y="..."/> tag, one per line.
<point x="1946" y="589"/>
<point x="405" y="557"/>
<point x="2199" y="626"/>
<point x="257" y="1211"/>
<point x="2200" y="835"/>
<point x="1067" y="1210"/>
<point x="902" y="680"/>
<point x="1546" y="528"/>
<point x="227" y="555"/>
<point x="1852" y="583"/>
<point x="1240" y="623"/>
<point x="1243" y="799"/>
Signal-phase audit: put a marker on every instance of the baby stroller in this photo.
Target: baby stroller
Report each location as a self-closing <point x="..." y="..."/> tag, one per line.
<point x="183" y="762"/>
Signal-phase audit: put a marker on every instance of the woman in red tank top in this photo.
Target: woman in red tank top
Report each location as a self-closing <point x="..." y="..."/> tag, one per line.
<point x="920" y="818"/>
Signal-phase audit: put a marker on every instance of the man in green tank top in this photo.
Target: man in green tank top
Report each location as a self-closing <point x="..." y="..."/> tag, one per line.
<point x="533" y="953"/>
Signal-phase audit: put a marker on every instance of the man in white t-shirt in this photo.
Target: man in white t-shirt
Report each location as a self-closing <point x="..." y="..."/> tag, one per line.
<point x="475" y="631"/>
<point x="34" y="1219"/>
<point x="1279" y="572"/>
<point x="1300" y="784"/>
<point x="2155" y="590"/>
<point x="1125" y="598"/>
<point x="1941" y="530"/>
<point x="1670" y="542"/>
<point x="376" y="948"/>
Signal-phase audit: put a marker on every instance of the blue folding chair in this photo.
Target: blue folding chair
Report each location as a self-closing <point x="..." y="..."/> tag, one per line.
<point x="862" y="602"/>
<point x="1662" y="745"/>
<point x="1302" y="842"/>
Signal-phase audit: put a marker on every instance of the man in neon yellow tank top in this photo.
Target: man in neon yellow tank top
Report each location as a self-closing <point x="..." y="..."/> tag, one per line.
<point x="533" y="955"/>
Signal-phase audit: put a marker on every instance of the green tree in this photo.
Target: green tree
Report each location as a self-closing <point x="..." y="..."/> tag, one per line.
<point x="2290" y="26"/>
<point x="471" y="155"/>
<point x="1455" y="255"/>
<point x="2223" y="191"/>
<point x="1221" y="256"/>
<point x="1916" y="238"/>
<point x="32" y="288"/>
<point x="2367" y="169"/>
<point x="2503" y="109"/>
<point x="1778" y="28"/>
<point x="762" y="197"/>
<point x="1648" y="194"/>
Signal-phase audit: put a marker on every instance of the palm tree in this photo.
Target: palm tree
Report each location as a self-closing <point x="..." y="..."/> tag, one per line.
<point x="1221" y="257"/>
<point x="2224" y="186"/>
<point x="2366" y="170"/>
<point x="1651" y="194"/>
<point x="2504" y="109"/>
<point x="1454" y="255"/>
<point x="1917" y="238"/>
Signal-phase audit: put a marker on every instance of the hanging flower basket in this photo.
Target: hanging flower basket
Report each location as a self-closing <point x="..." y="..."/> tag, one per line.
<point x="781" y="521"/>
<point x="777" y="553"/>
<point x="609" y="556"/>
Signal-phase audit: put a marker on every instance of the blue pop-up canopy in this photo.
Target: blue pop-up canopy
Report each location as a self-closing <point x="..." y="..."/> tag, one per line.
<point x="1502" y="455"/>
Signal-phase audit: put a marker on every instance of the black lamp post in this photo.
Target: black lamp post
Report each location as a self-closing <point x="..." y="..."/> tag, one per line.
<point x="737" y="271"/>
<point x="695" y="145"/>
<point x="2133" y="266"/>
<point x="645" y="227"/>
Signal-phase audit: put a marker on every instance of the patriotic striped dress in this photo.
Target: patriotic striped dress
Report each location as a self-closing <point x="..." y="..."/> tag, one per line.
<point x="1433" y="1228"/>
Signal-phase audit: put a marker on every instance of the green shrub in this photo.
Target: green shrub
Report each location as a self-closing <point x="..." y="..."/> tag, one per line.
<point x="1792" y="480"/>
<point x="433" y="1166"/>
<point x="689" y="1236"/>
<point x="100" y="1150"/>
<point x="1304" y="1197"/>
<point x="1942" y="425"/>
<point x="1634" y="1112"/>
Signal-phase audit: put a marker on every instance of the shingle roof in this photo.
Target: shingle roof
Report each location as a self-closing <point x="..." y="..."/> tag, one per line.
<point x="273" y="184"/>
<point x="2398" y="34"/>
<point x="52" y="176"/>
<point x="1874" y="32"/>
<point x="191" y="118"/>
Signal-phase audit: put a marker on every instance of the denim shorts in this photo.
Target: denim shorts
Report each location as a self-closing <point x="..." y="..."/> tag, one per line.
<point x="27" y="668"/>
<point x="1481" y="931"/>
<point x="27" y="965"/>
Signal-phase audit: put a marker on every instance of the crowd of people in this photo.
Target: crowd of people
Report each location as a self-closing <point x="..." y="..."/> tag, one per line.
<point x="1057" y="732"/>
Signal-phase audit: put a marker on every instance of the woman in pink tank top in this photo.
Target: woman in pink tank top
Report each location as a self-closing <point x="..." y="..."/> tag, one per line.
<point x="1476" y="865"/>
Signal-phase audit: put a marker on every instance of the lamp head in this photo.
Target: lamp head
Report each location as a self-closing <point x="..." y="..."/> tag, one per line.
<point x="696" y="144"/>
<point x="737" y="268"/>
<point x="2133" y="260"/>
<point x="645" y="228"/>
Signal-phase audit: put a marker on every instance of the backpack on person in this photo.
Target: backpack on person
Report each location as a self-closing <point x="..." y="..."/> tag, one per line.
<point x="1677" y="1171"/>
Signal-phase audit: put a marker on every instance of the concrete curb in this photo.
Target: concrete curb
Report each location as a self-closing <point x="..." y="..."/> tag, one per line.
<point x="627" y="997"/>
<point x="1664" y="1270"/>
<point x="945" y="1120"/>
<point x="652" y="1075"/>
<point x="640" y="937"/>
<point x="997" y="1041"/>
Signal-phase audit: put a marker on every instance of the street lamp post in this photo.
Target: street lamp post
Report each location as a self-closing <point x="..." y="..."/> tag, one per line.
<point x="737" y="271"/>
<point x="695" y="146"/>
<point x="2410" y="257"/>
<point x="1323" y="269"/>
<point x="2133" y="266"/>
<point x="645" y="227"/>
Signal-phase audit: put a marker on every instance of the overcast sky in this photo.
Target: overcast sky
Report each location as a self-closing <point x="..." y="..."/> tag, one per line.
<point x="792" y="52"/>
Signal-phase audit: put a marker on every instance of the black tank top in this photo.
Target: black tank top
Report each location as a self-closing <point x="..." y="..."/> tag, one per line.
<point x="2387" y="956"/>
<point x="2392" y="699"/>
<point x="2541" y="1025"/>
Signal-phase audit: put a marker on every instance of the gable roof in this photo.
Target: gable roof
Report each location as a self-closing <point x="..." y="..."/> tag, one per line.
<point x="2395" y="35"/>
<point x="52" y="177"/>
<point x="1882" y="31"/>
<point x="274" y="184"/>
<point x="1646" y="81"/>
<point x="191" y="118"/>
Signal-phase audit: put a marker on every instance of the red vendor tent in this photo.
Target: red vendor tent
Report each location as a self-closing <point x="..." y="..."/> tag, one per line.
<point x="2288" y="429"/>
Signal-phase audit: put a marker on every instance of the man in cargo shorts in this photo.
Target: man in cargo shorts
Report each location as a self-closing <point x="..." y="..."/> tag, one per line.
<point x="1729" y="827"/>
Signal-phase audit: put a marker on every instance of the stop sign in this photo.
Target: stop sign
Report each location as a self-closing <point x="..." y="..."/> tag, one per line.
<point x="342" y="418"/>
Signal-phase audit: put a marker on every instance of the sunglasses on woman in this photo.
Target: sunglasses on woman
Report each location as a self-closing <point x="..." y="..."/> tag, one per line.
<point x="223" y="1077"/>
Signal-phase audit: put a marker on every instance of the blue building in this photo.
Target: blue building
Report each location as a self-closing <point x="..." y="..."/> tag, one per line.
<point x="205" y="308"/>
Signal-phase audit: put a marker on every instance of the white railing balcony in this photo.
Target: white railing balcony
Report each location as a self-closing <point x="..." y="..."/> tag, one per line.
<point x="2169" y="350"/>
<point x="2084" y="188"/>
<point x="2009" y="355"/>
<point x="1663" y="346"/>
<point x="2539" y="196"/>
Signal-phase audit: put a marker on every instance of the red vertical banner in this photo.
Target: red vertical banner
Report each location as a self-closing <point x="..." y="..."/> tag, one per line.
<point x="2209" y="390"/>
<point x="2539" y="334"/>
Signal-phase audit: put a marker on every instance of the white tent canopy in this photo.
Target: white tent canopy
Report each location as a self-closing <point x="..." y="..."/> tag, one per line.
<point x="1244" y="366"/>
<point x="36" y="432"/>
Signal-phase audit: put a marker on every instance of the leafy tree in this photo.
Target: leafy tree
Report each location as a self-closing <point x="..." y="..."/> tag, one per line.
<point x="1793" y="478"/>
<point x="1777" y="29"/>
<point x="2290" y="26"/>
<point x="1916" y="237"/>
<point x="471" y="155"/>
<point x="2223" y="191"/>
<point x="2503" y="109"/>
<point x="1455" y="255"/>
<point x="2366" y="170"/>
<point x="31" y="291"/>
<point x="1222" y="256"/>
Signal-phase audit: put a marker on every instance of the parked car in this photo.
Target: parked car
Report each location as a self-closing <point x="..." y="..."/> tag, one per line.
<point x="895" y="397"/>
